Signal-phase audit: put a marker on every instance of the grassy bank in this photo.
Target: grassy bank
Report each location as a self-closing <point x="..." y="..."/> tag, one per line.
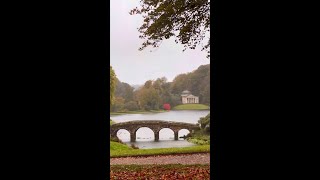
<point x="137" y="112"/>
<point x="172" y="171"/>
<point x="191" y="107"/>
<point x="115" y="146"/>
<point x="200" y="139"/>
<point x="120" y="151"/>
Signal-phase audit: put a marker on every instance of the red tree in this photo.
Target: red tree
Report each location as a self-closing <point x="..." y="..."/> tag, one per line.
<point x="167" y="107"/>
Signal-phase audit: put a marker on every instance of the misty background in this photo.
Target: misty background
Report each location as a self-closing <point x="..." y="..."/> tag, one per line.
<point x="136" y="67"/>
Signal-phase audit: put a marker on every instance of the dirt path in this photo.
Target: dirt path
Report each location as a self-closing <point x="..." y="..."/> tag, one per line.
<point x="203" y="158"/>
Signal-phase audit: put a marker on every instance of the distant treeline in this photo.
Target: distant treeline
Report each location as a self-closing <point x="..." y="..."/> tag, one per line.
<point x="154" y="93"/>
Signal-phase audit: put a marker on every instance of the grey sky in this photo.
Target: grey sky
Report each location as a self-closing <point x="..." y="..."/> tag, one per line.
<point x="135" y="67"/>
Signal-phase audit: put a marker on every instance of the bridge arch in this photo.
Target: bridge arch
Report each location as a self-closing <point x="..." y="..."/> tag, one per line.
<point x="123" y="134"/>
<point x="166" y="131"/>
<point x="154" y="125"/>
<point x="150" y="133"/>
<point x="183" y="132"/>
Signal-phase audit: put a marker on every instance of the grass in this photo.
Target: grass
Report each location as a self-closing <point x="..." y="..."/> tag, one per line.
<point x="115" y="146"/>
<point x="123" y="152"/>
<point x="137" y="112"/>
<point x="199" y="141"/>
<point x="191" y="107"/>
<point x="200" y="137"/>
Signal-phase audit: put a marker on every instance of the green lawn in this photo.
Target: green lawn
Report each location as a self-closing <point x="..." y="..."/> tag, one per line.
<point x="191" y="107"/>
<point x="115" y="146"/>
<point x="120" y="151"/>
<point x="137" y="112"/>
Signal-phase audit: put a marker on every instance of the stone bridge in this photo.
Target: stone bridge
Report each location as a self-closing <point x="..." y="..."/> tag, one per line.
<point x="154" y="125"/>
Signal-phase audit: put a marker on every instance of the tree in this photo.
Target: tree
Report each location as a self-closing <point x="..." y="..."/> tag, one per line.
<point x="179" y="84"/>
<point x="188" y="21"/>
<point x="148" y="97"/>
<point x="112" y="85"/>
<point x="118" y="104"/>
<point x="205" y="123"/>
<point x="131" y="106"/>
<point x="124" y="90"/>
<point x="148" y="84"/>
<point x="198" y="82"/>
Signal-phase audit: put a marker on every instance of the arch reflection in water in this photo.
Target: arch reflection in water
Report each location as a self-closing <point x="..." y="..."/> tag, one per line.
<point x="144" y="134"/>
<point x="123" y="135"/>
<point x="183" y="132"/>
<point x="166" y="134"/>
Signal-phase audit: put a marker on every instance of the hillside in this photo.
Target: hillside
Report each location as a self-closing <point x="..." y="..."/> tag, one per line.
<point x="155" y="93"/>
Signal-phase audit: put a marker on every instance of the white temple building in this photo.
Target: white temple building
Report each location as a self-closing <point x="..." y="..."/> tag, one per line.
<point x="188" y="98"/>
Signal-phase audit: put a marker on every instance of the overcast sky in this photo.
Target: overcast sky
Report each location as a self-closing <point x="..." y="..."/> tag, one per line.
<point x="136" y="67"/>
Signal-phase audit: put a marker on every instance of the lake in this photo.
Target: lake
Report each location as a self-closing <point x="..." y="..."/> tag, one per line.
<point x="145" y="136"/>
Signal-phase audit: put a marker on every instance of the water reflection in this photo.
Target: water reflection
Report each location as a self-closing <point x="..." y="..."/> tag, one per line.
<point x="161" y="144"/>
<point x="145" y="138"/>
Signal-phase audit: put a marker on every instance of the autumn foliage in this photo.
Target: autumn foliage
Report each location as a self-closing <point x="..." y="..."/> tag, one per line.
<point x="167" y="107"/>
<point x="161" y="172"/>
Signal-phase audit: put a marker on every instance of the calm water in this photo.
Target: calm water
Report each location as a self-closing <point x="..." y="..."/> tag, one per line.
<point x="145" y="136"/>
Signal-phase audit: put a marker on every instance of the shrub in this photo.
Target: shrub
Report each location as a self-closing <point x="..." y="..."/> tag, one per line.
<point x="131" y="106"/>
<point x="166" y="106"/>
<point x="147" y="108"/>
<point x="205" y="122"/>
